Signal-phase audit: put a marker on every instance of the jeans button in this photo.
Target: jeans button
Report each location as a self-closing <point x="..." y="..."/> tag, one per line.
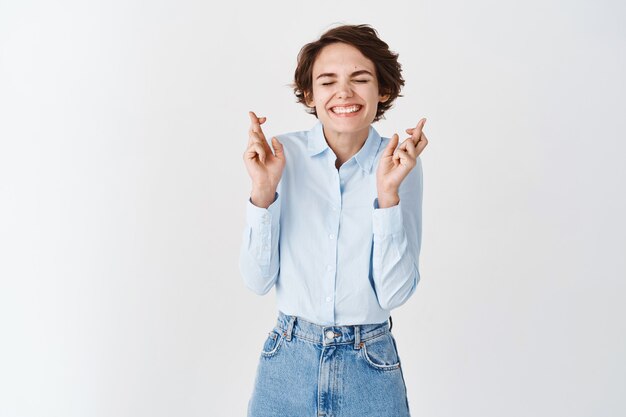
<point x="330" y="334"/>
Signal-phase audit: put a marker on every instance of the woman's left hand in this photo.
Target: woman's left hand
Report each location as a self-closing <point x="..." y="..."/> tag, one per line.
<point x="395" y="164"/>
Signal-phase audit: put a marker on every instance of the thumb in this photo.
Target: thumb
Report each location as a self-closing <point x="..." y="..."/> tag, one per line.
<point x="278" y="148"/>
<point x="391" y="146"/>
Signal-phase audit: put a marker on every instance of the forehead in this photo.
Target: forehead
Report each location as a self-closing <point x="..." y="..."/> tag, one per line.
<point x="338" y="57"/>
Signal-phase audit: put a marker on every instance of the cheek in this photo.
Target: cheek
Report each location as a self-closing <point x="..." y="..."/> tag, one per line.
<point x="321" y="100"/>
<point x="369" y="94"/>
<point x="322" y="94"/>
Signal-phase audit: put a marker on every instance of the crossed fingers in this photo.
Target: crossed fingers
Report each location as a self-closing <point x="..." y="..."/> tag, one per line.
<point x="255" y="130"/>
<point x="414" y="144"/>
<point x="257" y="144"/>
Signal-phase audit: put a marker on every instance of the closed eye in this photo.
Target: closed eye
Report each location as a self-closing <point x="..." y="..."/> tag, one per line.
<point x="356" y="81"/>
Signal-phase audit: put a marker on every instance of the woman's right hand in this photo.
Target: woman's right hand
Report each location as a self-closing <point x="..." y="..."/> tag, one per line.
<point x="264" y="167"/>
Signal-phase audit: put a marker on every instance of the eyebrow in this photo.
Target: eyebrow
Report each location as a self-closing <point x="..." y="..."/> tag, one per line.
<point x="354" y="74"/>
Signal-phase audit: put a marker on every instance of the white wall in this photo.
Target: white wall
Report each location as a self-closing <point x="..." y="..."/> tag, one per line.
<point x="122" y="187"/>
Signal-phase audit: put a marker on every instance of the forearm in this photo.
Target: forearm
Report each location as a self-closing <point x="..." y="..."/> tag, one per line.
<point x="394" y="258"/>
<point x="259" y="257"/>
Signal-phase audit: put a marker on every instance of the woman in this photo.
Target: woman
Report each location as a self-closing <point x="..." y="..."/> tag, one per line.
<point x="334" y="223"/>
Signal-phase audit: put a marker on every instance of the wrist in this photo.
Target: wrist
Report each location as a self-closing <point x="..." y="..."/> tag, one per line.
<point x="386" y="200"/>
<point x="262" y="197"/>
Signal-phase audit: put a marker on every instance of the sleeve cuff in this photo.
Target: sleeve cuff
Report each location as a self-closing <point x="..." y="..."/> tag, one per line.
<point x="256" y="216"/>
<point x="387" y="221"/>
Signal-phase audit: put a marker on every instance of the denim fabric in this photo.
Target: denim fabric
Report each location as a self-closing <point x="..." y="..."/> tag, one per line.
<point x="309" y="370"/>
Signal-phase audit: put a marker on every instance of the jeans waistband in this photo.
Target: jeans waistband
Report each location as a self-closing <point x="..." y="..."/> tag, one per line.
<point x="329" y="335"/>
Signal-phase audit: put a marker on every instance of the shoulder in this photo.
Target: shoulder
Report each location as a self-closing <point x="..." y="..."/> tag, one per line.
<point x="293" y="137"/>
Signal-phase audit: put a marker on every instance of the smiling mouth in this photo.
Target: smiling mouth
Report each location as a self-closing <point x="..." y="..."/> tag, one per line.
<point x="346" y="109"/>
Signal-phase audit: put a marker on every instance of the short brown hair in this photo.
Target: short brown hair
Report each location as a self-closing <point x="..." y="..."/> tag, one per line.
<point x="366" y="40"/>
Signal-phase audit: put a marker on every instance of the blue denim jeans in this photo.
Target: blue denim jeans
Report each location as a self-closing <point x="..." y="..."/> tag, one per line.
<point x="309" y="370"/>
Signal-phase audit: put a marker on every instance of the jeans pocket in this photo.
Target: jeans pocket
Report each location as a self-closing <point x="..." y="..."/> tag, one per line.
<point x="272" y="343"/>
<point x="380" y="352"/>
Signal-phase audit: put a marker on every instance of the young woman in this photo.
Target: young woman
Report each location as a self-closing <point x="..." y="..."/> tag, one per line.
<point x="334" y="223"/>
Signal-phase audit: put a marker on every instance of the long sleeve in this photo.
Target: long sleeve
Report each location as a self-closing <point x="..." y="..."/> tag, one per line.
<point x="259" y="255"/>
<point x="397" y="234"/>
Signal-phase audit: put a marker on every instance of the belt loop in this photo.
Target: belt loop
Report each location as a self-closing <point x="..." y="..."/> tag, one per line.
<point x="290" y="328"/>
<point x="390" y="323"/>
<point x="357" y="337"/>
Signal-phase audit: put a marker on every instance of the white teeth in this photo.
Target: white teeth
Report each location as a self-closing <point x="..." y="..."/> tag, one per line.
<point x="350" y="109"/>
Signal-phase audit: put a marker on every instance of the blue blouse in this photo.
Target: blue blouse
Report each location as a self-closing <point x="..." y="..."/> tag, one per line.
<point x="333" y="255"/>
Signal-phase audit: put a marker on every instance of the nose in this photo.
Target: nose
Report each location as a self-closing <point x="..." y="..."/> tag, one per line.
<point x="344" y="90"/>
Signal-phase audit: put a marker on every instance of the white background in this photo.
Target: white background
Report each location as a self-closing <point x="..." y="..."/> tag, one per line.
<point x="122" y="187"/>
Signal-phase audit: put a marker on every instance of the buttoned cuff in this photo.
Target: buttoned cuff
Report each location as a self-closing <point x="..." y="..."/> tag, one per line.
<point x="387" y="221"/>
<point x="257" y="216"/>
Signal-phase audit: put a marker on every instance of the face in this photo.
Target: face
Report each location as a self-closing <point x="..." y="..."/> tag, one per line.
<point x="345" y="89"/>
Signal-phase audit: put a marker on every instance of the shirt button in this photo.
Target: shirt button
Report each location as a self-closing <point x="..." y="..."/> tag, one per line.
<point x="331" y="236"/>
<point x="334" y="208"/>
<point x="328" y="299"/>
<point x="330" y="334"/>
<point x="329" y="267"/>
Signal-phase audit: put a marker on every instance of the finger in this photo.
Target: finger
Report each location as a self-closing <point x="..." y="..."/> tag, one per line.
<point x="417" y="130"/>
<point x="404" y="143"/>
<point x="253" y="121"/>
<point x="410" y="148"/>
<point x="405" y="159"/>
<point x="396" y="155"/>
<point x="255" y="150"/>
<point x="421" y="144"/>
<point x="391" y="146"/>
<point x="411" y="129"/>
<point x="279" y="151"/>
<point x="255" y="124"/>
<point x="252" y="116"/>
<point x="256" y="138"/>
<point x="253" y="137"/>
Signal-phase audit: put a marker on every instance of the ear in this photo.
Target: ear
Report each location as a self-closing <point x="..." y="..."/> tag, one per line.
<point x="383" y="98"/>
<point x="308" y="99"/>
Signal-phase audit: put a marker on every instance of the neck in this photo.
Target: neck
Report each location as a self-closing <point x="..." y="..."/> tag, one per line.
<point x="345" y="144"/>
